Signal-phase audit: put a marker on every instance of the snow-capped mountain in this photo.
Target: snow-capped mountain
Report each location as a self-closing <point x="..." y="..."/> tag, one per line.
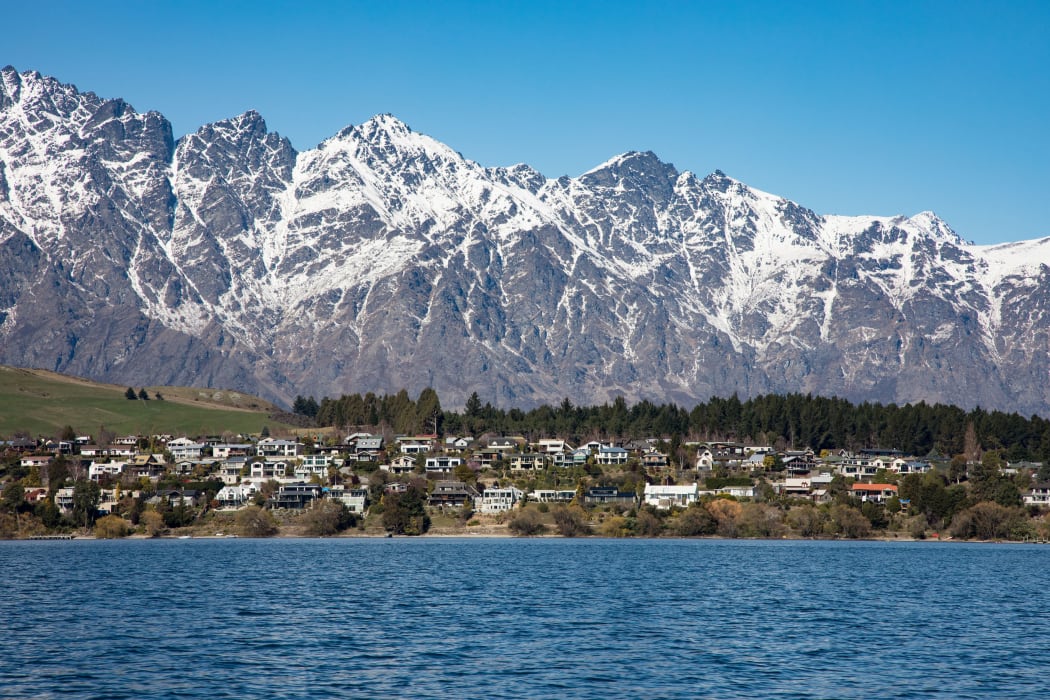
<point x="383" y="259"/>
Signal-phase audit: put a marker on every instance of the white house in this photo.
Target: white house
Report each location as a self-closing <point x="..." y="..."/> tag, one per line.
<point x="272" y="447"/>
<point x="666" y="497"/>
<point x="99" y="469"/>
<point x="1038" y="495"/>
<point x="442" y="464"/>
<point x="236" y="496"/>
<point x="610" y="455"/>
<point x="355" y="499"/>
<point x="498" y="500"/>
<point x="183" y="449"/>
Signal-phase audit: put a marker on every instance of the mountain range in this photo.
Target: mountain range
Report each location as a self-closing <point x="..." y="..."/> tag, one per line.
<point x="383" y="259"/>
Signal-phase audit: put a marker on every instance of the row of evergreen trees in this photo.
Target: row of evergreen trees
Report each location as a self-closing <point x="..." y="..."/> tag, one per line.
<point x="793" y="420"/>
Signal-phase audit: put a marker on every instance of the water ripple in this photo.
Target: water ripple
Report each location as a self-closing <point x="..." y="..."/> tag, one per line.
<point x="521" y="618"/>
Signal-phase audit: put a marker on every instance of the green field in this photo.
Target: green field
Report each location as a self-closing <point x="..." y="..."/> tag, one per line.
<point x="43" y="403"/>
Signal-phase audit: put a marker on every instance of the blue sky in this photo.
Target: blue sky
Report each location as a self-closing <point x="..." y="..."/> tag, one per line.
<point x="845" y="107"/>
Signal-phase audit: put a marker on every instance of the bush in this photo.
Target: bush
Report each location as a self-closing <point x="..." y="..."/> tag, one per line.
<point x="647" y="524"/>
<point x="990" y="521"/>
<point x="570" y="521"/>
<point x="111" y="527"/>
<point x="253" y="521"/>
<point x="848" y="521"/>
<point x="760" y="520"/>
<point x="327" y="518"/>
<point x="694" y="521"/>
<point x="152" y="523"/>
<point x="806" y="520"/>
<point x="527" y="523"/>
<point x="405" y="513"/>
<point x="616" y="526"/>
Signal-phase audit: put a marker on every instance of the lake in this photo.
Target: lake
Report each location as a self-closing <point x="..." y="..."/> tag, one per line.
<point x="512" y="618"/>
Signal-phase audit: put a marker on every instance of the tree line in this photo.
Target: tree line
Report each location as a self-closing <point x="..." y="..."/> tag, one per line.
<point x="788" y="420"/>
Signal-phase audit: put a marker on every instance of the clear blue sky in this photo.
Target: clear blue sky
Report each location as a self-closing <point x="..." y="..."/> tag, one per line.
<point x="847" y="107"/>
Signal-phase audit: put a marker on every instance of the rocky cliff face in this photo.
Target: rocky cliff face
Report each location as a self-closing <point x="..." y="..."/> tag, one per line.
<point x="383" y="259"/>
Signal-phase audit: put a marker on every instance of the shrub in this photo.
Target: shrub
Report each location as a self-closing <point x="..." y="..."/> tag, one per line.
<point x="111" y="527"/>
<point x="253" y="521"/>
<point x="647" y="524"/>
<point x="327" y="518"/>
<point x="990" y="521"/>
<point x="806" y="520"/>
<point x="152" y="523"/>
<point x="527" y="523"/>
<point x="694" y="521"/>
<point x="848" y="521"/>
<point x="570" y="521"/>
<point x="616" y="526"/>
<point x="760" y="520"/>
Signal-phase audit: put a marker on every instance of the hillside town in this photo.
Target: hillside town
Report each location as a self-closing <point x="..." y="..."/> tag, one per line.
<point x="369" y="483"/>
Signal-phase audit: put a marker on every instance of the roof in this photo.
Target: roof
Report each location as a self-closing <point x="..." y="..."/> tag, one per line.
<point x="874" y="487"/>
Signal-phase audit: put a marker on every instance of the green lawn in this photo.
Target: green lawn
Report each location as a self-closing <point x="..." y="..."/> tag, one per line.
<point x="42" y="403"/>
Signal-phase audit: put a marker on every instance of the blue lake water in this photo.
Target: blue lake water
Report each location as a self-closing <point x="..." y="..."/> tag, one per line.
<point x="513" y="618"/>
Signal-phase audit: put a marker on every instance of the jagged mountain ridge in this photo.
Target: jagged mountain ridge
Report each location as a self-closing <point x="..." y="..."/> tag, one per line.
<point x="383" y="259"/>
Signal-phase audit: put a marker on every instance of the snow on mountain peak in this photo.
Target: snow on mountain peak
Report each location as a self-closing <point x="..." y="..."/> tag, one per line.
<point x="352" y="266"/>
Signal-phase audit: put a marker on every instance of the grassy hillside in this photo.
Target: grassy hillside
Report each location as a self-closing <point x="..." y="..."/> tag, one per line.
<point x="42" y="403"/>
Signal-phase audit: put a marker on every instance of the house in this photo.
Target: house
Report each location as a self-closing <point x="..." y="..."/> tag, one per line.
<point x="458" y="444"/>
<point x="41" y="462"/>
<point x="528" y="461"/>
<point x="272" y="447"/>
<point x="417" y="444"/>
<point x="551" y="447"/>
<point x="603" y="495"/>
<point x="236" y="496"/>
<point x="175" y="497"/>
<point x="498" y="500"/>
<point x="451" y="493"/>
<point x="486" y="458"/>
<point x="183" y="449"/>
<point x="402" y="464"/>
<point x="502" y="445"/>
<point x="576" y="458"/>
<point x="33" y="496"/>
<point x="267" y="469"/>
<point x="355" y="499"/>
<point x="860" y="467"/>
<point x="232" y="468"/>
<point x="876" y="493"/>
<point x="367" y="449"/>
<point x="1038" y="495"/>
<point x="733" y="491"/>
<point x="552" y="496"/>
<point x="442" y="464"/>
<point x="609" y="455"/>
<point x="64" y="498"/>
<point x="904" y="466"/>
<point x="295" y="496"/>
<point x="226" y="450"/>
<point x="92" y="450"/>
<point x="147" y="465"/>
<point x="96" y="470"/>
<point x="654" y="460"/>
<point x="667" y="497"/>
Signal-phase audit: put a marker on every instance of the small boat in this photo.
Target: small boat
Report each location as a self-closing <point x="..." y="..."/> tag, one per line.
<point x="185" y="537"/>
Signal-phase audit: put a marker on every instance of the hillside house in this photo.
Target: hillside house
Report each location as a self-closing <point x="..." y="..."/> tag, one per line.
<point x="498" y="500"/>
<point x="667" y="497"/>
